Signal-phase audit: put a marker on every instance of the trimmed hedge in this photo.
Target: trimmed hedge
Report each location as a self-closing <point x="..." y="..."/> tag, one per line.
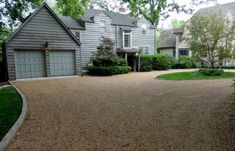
<point x="185" y="63"/>
<point x="211" y="72"/>
<point x="108" y="70"/>
<point x="107" y="65"/>
<point x="155" y="62"/>
<point x="108" y="61"/>
<point x="146" y="63"/>
<point x="162" y="62"/>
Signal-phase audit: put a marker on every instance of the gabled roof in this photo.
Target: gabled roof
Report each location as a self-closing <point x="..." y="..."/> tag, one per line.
<point x="167" y="39"/>
<point x="225" y="9"/>
<point x="72" y="23"/>
<point x="117" y="18"/>
<point x="44" y="5"/>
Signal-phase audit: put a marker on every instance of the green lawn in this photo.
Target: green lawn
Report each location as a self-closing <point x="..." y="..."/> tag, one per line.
<point x="193" y="76"/>
<point x="10" y="109"/>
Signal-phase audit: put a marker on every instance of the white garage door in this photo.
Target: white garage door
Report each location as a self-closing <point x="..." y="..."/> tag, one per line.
<point x="29" y="64"/>
<point x="62" y="62"/>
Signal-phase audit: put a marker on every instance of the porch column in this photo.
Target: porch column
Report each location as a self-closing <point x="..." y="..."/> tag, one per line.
<point x="126" y="56"/>
<point x="139" y="62"/>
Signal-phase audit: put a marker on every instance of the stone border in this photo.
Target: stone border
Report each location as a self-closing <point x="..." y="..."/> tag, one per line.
<point x="11" y="133"/>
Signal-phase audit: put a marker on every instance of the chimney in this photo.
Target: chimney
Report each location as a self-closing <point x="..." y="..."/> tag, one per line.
<point x="121" y="8"/>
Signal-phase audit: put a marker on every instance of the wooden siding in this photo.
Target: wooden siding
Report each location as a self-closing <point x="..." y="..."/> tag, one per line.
<point x="43" y="27"/>
<point x="90" y="38"/>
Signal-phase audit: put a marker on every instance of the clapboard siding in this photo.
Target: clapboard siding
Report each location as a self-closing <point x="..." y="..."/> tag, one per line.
<point x="91" y="37"/>
<point x="42" y="27"/>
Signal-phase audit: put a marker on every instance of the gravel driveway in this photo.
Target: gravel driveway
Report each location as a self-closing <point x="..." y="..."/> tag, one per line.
<point x="125" y="112"/>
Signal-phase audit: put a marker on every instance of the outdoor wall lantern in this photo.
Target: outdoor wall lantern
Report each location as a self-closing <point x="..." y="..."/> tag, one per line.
<point x="46" y="48"/>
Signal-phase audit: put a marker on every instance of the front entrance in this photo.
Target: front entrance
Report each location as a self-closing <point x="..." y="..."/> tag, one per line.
<point x="132" y="62"/>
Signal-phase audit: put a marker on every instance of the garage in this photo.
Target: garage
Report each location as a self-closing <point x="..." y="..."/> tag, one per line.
<point x="29" y="64"/>
<point x="43" y="46"/>
<point x="62" y="63"/>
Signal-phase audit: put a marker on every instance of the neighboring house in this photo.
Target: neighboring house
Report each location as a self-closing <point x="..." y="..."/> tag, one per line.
<point x="46" y="45"/>
<point x="171" y="41"/>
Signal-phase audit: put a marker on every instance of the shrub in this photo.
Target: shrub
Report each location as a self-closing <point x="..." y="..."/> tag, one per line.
<point x="108" y="70"/>
<point x="146" y="63"/>
<point x="162" y="62"/>
<point x="211" y="72"/>
<point x="108" y="61"/>
<point x="185" y="63"/>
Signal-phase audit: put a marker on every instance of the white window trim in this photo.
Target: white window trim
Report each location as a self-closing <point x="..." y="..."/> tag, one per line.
<point x="123" y="39"/>
<point x="105" y="25"/>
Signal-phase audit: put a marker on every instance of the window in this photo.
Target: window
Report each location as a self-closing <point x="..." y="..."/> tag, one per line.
<point x="127" y="39"/>
<point x="144" y="28"/>
<point x="102" y="26"/>
<point x="183" y="52"/>
<point x="77" y="34"/>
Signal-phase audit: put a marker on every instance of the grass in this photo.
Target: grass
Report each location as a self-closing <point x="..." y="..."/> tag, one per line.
<point x="10" y="109"/>
<point x="194" y="76"/>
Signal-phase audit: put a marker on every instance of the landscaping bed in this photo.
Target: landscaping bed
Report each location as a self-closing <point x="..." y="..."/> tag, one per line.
<point x="195" y="75"/>
<point x="10" y="109"/>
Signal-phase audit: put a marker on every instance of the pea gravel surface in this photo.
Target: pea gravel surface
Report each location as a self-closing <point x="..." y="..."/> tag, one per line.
<point x="131" y="112"/>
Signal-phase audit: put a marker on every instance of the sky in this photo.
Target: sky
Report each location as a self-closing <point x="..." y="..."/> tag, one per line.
<point x="166" y="24"/>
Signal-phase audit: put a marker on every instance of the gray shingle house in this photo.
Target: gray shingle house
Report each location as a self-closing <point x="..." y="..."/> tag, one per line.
<point x="47" y="45"/>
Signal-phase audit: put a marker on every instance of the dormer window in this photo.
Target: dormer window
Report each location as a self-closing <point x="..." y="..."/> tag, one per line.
<point x="103" y="26"/>
<point x="144" y="28"/>
<point x="77" y="34"/>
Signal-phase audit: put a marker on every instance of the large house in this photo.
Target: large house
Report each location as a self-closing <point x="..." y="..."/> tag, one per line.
<point x="173" y="43"/>
<point x="47" y="45"/>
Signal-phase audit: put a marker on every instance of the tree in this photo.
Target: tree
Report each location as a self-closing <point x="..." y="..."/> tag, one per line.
<point x="73" y="8"/>
<point x="211" y="36"/>
<point x="106" y="47"/>
<point x="175" y="23"/>
<point x="153" y="9"/>
<point x="105" y="4"/>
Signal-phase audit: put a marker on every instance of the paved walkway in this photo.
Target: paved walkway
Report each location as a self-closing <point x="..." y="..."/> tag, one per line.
<point x="125" y="112"/>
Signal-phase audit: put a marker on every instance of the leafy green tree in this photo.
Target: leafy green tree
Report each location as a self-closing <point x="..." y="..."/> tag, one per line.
<point x="73" y="8"/>
<point x="211" y="36"/>
<point x="175" y="23"/>
<point x="153" y="9"/>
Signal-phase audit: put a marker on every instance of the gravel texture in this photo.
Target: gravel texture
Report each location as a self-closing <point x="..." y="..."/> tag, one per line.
<point x="131" y="112"/>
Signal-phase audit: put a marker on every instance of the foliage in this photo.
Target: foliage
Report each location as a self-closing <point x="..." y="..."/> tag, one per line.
<point x="153" y="9"/>
<point x="108" y="70"/>
<point x="194" y="76"/>
<point x="146" y="63"/>
<point x="108" y="61"/>
<point x="175" y="23"/>
<point x="185" y="62"/>
<point x="211" y="72"/>
<point x="155" y="62"/>
<point x="10" y="109"/>
<point x="73" y="8"/>
<point x="105" y="62"/>
<point x="211" y="36"/>
<point x="162" y="62"/>
<point x="106" y="48"/>
<point x="105" y="5"/>
<point x="4" y="33"/>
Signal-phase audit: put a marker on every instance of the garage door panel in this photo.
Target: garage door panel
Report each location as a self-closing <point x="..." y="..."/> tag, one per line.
<point x="29" y="64"/>
<point x="62" y="63"/>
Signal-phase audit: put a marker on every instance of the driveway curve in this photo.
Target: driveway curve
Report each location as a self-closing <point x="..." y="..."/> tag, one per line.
<point x="125" y="113"/>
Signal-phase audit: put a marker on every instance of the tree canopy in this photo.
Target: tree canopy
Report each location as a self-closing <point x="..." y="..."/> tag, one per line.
<point x="153" y="9"/>
<point x="211" y="36"/>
